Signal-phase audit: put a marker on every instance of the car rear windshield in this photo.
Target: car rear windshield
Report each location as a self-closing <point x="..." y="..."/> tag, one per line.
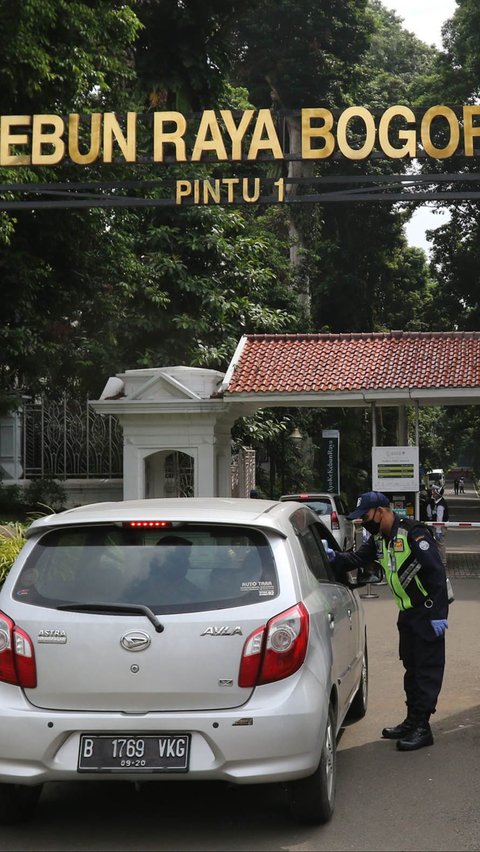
<point x="321" y="507"/>
<point x="188" y="568"/>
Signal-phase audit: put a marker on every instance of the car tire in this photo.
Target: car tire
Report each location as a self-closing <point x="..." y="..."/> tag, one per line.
<point x="312" y="799"/>
<point x="358" y="707"/>
<point x="18" y="803"/>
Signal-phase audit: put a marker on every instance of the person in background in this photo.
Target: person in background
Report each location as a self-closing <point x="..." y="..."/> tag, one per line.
<point x="416" y="576"/>
<point x="456" y="485"/>
<point x="461" y="485"/>
<point x="437" y="512"/>
<point x="423" y="498"/>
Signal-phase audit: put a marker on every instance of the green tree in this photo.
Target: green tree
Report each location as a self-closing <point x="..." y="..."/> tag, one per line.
<point x="183" y="54"/>
<point x="88" y="292"/>
<point x="60" y="57"/>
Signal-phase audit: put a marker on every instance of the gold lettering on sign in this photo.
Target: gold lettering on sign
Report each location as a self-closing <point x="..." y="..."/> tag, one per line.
<point x="469" y="131"/>
<point x="112" y="130"/>
<point x="342" y="127"/>
<point x="236" y="133"/>
<point x="323" y="132"/>
<point x="265" y="125"/>
<point x="9" y="139"/>
<point x="407" y="136"/>
<point x="226" y="135"/>
<point x="454" y="129"/>
<point x="41" y="136"/>
<point x="209" y="127"/>
<point x="95" y="138"/>
<point x="207" y="191"/>
<point x="174" y="137"/>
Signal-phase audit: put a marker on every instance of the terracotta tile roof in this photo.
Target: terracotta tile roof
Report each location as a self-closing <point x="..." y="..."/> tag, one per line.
<point x="292" y="363"/>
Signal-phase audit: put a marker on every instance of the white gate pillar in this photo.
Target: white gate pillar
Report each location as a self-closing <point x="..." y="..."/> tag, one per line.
<point x="223" y="454"/>
<point x="170" y="409"/>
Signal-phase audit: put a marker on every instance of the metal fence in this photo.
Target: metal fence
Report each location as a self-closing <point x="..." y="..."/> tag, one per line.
<point x="243" y="472"/>
<point x="67" y="439"/>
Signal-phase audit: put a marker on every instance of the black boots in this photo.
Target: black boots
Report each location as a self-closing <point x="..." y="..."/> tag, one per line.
<point x="410" y="734"/>
<point x="398" y="731"/>
<point x="418" y="737"/>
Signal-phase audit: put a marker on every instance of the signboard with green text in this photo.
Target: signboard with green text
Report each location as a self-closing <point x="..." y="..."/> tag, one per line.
<point x="395" y="469"/>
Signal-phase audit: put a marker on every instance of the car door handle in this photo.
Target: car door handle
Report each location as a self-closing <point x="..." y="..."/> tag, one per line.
<point x="331" y="620"/>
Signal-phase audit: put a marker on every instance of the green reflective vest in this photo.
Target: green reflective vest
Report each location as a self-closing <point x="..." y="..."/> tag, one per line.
<point x="401" y="569"/>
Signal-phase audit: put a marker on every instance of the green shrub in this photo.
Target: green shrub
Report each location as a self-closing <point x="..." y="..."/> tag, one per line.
<point x="47" y="493"/>
<point x="11" y="499"/>
<point x="12" y="539"/>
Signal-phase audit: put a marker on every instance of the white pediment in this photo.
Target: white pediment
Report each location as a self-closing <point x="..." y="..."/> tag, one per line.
<point x="164" y="384"/>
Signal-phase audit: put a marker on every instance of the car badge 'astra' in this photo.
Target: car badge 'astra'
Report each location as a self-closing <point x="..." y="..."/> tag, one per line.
<point x="52" y="636"/>
<point x="222" y="631"/>
<point x="135" y="640"/>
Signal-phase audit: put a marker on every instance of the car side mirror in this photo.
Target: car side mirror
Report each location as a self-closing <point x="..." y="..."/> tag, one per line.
<point x="373" y="574"/>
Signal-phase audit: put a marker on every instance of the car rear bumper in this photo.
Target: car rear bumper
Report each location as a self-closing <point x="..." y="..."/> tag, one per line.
<point x="278" y="739"/>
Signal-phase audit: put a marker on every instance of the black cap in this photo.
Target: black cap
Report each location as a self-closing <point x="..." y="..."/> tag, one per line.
<point x="369" y="500"/>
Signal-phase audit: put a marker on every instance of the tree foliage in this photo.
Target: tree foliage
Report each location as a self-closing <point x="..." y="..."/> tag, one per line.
<point x="87" y="293"/>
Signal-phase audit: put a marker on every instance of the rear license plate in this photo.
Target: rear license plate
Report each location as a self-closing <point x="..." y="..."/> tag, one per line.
<point x="134" y="753"/>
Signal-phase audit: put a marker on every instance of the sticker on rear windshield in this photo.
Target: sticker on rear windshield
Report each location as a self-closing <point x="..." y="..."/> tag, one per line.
<point x="263" y="587"/>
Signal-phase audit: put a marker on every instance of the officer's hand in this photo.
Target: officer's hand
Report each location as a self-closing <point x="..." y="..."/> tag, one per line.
<point x="439" y="625"/>
<point x="331" y="554"/>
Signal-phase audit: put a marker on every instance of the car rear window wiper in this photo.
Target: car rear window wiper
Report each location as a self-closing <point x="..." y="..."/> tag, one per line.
<point x="115" y="607"/>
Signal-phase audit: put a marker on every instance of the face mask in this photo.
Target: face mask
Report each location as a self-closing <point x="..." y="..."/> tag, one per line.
<point x="372" y="526"/>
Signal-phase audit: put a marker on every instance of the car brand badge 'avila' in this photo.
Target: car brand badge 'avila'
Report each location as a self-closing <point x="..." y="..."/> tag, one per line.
<point x="222" y="631"/>
<point x="135" y="640"/>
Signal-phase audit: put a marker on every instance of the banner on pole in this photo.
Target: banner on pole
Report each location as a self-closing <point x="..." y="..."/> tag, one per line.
<point x="331" y="460"/>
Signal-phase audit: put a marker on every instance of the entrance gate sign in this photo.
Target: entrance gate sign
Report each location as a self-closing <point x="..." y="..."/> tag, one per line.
<point x="213" y="137"/>
<point x="45" y="140"/>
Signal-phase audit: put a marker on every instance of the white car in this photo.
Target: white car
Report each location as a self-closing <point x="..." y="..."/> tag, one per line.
<point x="333" y="512"/>
<point x="436" y="477"/>
<point x="181" y="639"/>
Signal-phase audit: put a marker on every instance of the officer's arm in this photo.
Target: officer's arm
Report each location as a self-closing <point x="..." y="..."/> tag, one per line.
<point x="344" y="562"/>
<point x="425" y="550"/>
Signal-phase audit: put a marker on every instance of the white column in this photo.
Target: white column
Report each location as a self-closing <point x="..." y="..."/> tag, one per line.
<point x="224" y="467"/>
<point x="205" y="469"/>
<point x="133" y="473"/>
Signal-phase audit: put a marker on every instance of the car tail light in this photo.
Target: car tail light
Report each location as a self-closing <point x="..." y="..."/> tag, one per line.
<point x="148" y="524"/>
<point x="276" y="650"/>
<point x="17" y="655"/>
<point x="334" y="519"/>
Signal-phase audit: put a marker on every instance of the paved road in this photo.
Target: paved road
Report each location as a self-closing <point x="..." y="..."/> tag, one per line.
<point x="463" y="508"/>
<point x="386" y="800"/>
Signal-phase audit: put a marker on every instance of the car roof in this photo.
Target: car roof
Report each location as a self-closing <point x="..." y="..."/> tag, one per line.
<point x="268" y="514"/>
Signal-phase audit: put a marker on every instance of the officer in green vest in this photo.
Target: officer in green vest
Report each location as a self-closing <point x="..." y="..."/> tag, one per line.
<point x="416" y="576"/>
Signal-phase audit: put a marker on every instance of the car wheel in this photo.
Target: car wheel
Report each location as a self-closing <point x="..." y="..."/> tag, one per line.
<point x="358" y="707"/>
<point x="312" y="799"/>
<point x="18" y="803"/>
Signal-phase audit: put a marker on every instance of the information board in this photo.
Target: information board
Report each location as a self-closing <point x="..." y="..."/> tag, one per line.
<point x="395" y="469"/>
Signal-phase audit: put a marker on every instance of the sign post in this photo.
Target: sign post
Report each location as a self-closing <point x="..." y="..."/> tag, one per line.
<point x="331" y="460"/>
<point x="395" y="472"/>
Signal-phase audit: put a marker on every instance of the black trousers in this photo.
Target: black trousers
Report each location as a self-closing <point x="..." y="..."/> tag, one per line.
<point x="423" y="657"/>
